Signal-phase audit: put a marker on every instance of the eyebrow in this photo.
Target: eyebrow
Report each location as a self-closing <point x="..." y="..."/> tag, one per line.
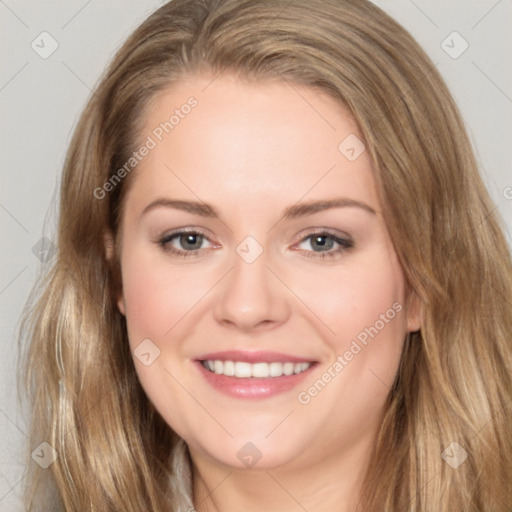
<point x="291" y="212"/>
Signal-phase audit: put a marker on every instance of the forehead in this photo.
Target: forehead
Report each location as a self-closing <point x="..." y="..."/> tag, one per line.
<point x="267" y="142"/>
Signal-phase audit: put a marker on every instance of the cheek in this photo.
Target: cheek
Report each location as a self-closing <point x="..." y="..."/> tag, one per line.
<point x="352" y="299"/>
<point x="364" y="308"/>
<point x="157" y="299"/>
<point x="156" y="296"/>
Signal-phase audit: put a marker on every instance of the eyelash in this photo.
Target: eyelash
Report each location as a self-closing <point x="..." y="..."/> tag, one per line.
<point x="344" y="243"/>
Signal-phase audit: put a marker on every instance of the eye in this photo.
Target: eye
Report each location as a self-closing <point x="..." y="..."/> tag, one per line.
<point x="183" y="243"/>
<point x="322" y="245"/>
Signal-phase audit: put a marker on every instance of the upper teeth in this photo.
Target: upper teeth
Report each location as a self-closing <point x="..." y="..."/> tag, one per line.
<point x="242" y="369"/>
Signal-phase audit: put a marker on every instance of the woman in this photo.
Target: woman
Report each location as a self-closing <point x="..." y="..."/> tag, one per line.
<point x="281" y="283"/>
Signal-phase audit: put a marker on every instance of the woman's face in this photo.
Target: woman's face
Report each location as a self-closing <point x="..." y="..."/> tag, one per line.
<point x="286" y="266"/>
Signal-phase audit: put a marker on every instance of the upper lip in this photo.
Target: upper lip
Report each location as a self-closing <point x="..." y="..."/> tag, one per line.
<point x="253" y="357"/>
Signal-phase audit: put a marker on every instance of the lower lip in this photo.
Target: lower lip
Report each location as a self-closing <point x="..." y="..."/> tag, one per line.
<point x="252" y="387"/>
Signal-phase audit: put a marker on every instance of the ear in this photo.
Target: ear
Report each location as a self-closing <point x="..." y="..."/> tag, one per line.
<point x="414" y="312"/>
<point x="109" y="243"/>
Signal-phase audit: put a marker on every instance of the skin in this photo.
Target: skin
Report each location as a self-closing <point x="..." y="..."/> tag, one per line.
<point x="251" y="150"/>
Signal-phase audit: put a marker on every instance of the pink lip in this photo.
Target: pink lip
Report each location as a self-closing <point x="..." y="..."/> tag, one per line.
<point x="253" y="357"/>
<point x="252" y="388"/>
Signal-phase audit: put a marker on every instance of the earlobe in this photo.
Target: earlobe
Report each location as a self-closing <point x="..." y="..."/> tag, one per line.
<point x="109" y="244"/>
<point x="414" y="312"/>
<point x="120" y="305"/>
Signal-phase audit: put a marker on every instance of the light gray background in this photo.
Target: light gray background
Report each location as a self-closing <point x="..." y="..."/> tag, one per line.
<point x="41" y="99"/>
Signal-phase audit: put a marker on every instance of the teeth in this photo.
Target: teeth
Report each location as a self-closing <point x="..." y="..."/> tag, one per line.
<point x="244" y="370"/>
<point x="260" y="370"/>
<point x="229" y="368"/>
<point x="288" y="368"/>
<point x="276" y="369"/>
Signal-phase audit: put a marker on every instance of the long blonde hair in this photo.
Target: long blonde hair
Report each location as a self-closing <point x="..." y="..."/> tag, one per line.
<point x="455" y="379"/>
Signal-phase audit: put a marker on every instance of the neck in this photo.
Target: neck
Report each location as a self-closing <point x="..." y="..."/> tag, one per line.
<point x="330" y="485"/>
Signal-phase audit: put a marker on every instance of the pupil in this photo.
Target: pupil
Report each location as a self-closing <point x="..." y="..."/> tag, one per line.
<point x="324" y="241"/>
<point x="190" y="240"/>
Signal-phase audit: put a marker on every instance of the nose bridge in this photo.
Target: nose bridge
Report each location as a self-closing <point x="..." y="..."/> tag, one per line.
<point x="251" y="294"/>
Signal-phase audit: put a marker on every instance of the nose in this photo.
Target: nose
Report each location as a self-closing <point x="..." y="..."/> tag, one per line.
<point x="251" y="297"/>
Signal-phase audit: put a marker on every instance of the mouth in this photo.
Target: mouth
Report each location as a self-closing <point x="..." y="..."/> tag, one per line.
<point x="244" y="374"/>
<point x="244" y="370"/>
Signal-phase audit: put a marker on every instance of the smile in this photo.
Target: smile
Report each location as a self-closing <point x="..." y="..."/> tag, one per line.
<point x="253" y="374"/>
<point x="244" y="370"/>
